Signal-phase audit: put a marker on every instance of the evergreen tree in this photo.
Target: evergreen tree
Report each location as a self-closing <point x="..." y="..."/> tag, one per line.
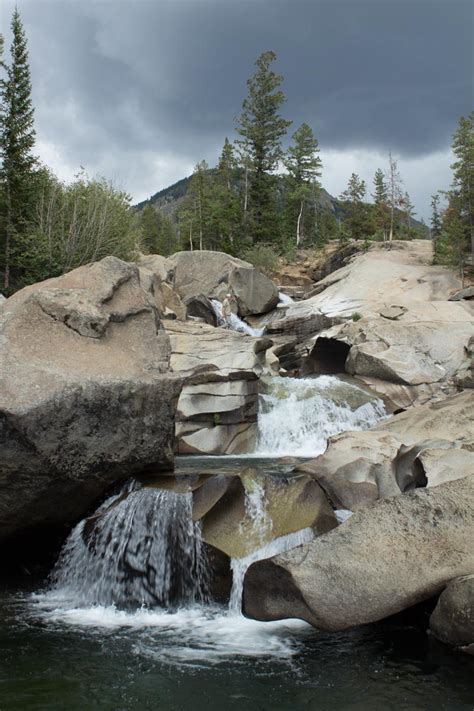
<point x="382" y="214"/>
<point x="394" y="194"/>
<point x="158" y="235"/>
<point x="356" y="210"/>
<point x="195" y="213"/>
<point x="261" y="129"/>
<point x="304" y="168"/>
<point x="463" y="176"/>
<point x="435" y="218"/>
<point x="17" y="140"/>
<point x="224" y="201"/>
<point x="450" y="247"/>
<point x="409" y="211"/>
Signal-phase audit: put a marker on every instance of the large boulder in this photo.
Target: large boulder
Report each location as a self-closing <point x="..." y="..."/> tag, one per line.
<point x="383" y="316"/>
<point x="412" y="350"/>
<point x="86" y="397"/>
<point x="202" y="272"/>
<point x="452" y="620"/>
<point x="382" y="560"/>
<point x="403" y="452"/>
<point x="256" y="293"/>
<point x="213" y="274"/>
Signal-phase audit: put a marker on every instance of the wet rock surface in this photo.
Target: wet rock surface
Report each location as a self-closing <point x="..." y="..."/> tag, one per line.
<point x="452" y="620"/>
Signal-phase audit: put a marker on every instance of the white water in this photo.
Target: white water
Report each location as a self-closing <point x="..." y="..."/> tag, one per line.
<point x="284" y="299"/>
<point x="297" y="416"/>
<point x="144" y="552"/>
<point x="233" y="321"/>
<point x="85" y="588"/>
<point x="275" y="547"/>
<point x="141" y="547"/>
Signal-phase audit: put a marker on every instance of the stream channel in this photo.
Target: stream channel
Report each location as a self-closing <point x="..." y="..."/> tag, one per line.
<point x="94" y="637"/>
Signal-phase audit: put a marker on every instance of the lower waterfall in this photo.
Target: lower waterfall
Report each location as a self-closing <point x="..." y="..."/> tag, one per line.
<point x="141" y="548"/>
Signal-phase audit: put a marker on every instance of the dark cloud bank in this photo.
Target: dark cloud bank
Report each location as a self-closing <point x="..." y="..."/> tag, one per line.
<point x="123" y="82"/>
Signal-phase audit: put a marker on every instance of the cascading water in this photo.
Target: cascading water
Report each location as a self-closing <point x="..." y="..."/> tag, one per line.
<point x="296" y="416"/>
<point x="233" y="321"/>
<point x="141" y="548"/>
<point x="275" y="547"/>
<point x="139" y="561"/>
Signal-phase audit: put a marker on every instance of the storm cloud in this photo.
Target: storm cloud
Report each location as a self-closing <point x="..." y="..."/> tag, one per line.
<point x="140" y="91"/>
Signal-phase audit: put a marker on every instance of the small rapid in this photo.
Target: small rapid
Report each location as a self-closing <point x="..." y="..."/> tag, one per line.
<point x="297" y="415"/>
<point x="233" y="321"/>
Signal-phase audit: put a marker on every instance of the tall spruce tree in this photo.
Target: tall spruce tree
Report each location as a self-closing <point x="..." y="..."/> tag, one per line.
<point x="380" y="197"/>
<point x="394" y="194"/>
<point x="195" y="213"/>
<point x="261" y="129"/>
<point x="17" y="140"/>
<point x="224" y="199"/>
<point x="304" y="168"/>
<point x="435" y="218"/>
<point x="463" y="176"/>
<point x="355" y="208"/>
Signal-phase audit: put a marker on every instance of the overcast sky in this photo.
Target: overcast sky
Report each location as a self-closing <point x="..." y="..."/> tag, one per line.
<point x="139" y="91"/>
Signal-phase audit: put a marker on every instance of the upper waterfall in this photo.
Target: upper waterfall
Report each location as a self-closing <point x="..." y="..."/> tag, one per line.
<point x="297" y="416"/>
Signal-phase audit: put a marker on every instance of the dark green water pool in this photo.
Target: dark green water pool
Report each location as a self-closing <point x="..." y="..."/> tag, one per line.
<point x="56" y="657"/>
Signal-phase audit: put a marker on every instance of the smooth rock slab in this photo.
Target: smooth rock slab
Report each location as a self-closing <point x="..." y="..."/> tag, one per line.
<point x="382" y="560"/>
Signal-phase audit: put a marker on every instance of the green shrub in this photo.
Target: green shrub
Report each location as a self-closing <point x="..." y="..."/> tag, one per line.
<point x="263" y="257"/>
<point x="356" y="316"/>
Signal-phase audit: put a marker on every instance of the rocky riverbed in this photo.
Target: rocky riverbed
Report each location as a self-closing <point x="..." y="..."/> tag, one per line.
<point x="365" y="388"/>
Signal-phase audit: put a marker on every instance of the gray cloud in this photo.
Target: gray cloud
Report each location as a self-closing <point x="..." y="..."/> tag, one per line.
<point x="135" y="88"/>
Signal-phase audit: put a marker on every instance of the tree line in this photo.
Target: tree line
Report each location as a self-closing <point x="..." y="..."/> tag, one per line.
<point x="246" y="201"/>
<point x="258" y="201"/>
<point x="48" y="227"/>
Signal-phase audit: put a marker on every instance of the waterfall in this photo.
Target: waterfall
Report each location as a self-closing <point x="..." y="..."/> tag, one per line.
<point x="240" y="565"/>
<point x="141" y="548"/>
<point x="233" y="321"/>
<point x="296" y="416"/>
<point x="284" y="299"/>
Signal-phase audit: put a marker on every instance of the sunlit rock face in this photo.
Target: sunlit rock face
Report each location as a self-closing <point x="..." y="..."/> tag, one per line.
<point x="86" y="396"/>
<point x="388" y="557"/>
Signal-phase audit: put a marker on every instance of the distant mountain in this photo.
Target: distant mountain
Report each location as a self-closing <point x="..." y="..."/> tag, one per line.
<point x="169" y="199"/>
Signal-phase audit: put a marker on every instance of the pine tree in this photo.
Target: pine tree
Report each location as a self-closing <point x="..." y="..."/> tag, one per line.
<point x="463" y="175"/>
<point x="382" y="214"/>
<point x="394" y="194"/>
<point x="195" y="213"/>
<point x="304" y="168"/>
<point x="450" y="247"/>
<point x="356" y="212"/>
<point x="17" y="140"/>
<point x="435" y="218"/>
<point x="224" y="201"/>
<point x="409" y="210"/>
<point x="261" y="129"/>
<point x="158" y="235"/>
